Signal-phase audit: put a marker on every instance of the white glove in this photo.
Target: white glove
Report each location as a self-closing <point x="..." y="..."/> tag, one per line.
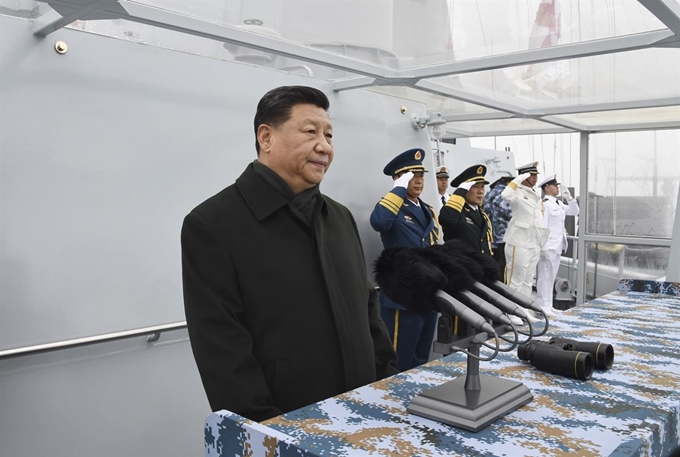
<point x="403" y="180"/>
<point x="544" y="255"/>
<point x="467" y="185"/>
<point x="521" y="178"/>
<point x="565" y="192"/>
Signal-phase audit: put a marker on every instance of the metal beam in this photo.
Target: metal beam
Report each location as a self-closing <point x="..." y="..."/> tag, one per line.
<point x="562" y="123"/>
<point x="53" y="21"/>
<point x="562" y="52"/>
<point x="619" y="239"/>
<point x="169" y="20"/>
<point x="667" y="11"/>
<point x="583" y="220"/>
<point x="611" y="106"/>
<point x="518" y="132"/>
<point x="664" y="125"/>
<point x="560" y="110"/>
<point x="673" y="270"/>
<point x="457" y="94"/>
<point x="483" y="116"/>
<point x="355" y="83"/>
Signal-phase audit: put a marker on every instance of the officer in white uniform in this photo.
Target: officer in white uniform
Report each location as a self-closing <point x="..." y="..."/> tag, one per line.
<point x="526" y="232"/>
<point x="553" y="218"/>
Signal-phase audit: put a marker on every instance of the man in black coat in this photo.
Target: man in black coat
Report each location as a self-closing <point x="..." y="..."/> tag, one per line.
<point x="462" y="217"/>
<point x="278" y="305"/>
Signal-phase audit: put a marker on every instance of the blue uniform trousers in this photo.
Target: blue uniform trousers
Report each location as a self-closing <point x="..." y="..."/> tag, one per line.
<point x="411" y="335"/>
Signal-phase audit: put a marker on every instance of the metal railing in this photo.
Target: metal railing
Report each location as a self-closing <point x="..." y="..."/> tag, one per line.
<point x="153" y="334"/>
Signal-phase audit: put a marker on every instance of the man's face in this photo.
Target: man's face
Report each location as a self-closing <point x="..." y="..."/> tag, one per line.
<point x="552" y="190"/>
<point x="415" y="185"/>
<point x="531" y="180"/>
<point x="300" y="150"/>
<point x="442" y="184"/>
<point x="475" y="195"/>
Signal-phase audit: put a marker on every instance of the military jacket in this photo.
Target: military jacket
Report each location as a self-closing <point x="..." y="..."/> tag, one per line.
<point x="462" y="222"/>
<point x="402" y="223"/>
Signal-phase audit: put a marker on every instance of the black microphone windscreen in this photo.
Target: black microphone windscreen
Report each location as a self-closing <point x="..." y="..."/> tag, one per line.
<point x="408" y="279"/>
<point x="487" y="268"/>
<point x="456" y="268"/>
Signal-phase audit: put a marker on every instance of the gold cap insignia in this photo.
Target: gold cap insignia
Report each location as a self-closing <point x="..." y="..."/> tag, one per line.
<point x="417" y="155"/>
<point x="443" y="170"/>
<point x="480" y="170"/>
<point x="535" y="164"/>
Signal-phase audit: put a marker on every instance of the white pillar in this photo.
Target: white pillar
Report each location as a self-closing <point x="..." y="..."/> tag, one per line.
<point x="582" y="220"/>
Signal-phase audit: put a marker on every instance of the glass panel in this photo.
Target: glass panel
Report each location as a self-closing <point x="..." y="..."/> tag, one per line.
<point x="634" y="75"/>
<point x="434" y="102"/>
<point x="501" y="127"/>
<point x="633" y="179"/>
<point x="419" y="33"/>
<point x="608" y="263"/>
<point x="28" y="9"/>
<point x="141" y="33"/>
<point x="638" y="117"/>
<point x="145" y="34"/>
<point x="555" y="153"/>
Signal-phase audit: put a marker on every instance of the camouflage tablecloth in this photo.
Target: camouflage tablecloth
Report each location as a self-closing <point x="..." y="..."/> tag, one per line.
<point x="630" y="410"/>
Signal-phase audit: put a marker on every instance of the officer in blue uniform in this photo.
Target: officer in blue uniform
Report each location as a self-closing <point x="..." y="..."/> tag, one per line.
<point x="462" y="217"/>
<point x="403" y="219"/>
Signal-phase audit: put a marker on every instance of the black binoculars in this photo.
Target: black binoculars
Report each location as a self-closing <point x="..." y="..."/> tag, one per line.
<point x="571" y="358"/>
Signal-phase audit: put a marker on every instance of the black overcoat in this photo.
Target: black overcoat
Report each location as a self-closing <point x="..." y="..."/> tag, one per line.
<point x="280" y="315"/>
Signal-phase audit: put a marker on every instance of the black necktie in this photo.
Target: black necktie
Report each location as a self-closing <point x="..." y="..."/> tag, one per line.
<point x="443" y="200"/>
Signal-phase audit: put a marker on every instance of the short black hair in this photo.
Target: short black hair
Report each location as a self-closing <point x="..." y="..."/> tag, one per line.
<point x="275" y="107"/>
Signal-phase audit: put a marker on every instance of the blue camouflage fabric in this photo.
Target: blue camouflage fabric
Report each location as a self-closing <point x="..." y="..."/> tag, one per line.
<point x="499" y="211"/>
<point x="631" y="410"/>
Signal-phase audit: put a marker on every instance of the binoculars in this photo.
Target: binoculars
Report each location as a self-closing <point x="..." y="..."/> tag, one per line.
<point x="566" y="357"/>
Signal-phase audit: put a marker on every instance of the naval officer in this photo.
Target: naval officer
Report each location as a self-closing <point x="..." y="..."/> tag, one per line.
<point x="403" y="219"/>
<point x="525" y="234"/>
<point x="553" y="218"/>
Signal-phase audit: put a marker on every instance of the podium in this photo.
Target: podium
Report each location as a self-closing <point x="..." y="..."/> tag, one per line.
<point x="630" y="410"/>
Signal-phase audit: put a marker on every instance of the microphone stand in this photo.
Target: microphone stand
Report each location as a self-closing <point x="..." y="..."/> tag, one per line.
<point x="473" y="401"/>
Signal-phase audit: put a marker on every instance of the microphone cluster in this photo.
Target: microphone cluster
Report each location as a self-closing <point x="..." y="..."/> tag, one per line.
<point x="463" y="284"/>
<point x="457" y="281"/>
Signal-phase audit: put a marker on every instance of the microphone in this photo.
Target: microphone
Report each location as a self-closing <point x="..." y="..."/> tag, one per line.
<point x="486" y="272"/>
<point x="462" y="273"/>
<point x="409" y="277"/>
<point x="486" y="268"/>
<point x="481" y="306"/>
<point x="449" y="305"/>
<point x="498" y="300"/>
<point x="515" y="296"/>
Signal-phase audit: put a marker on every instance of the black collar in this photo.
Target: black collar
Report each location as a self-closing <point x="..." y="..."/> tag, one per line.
<point x="263" y="199"/>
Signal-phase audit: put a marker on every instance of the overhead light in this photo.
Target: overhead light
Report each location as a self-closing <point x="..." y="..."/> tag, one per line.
<point x="434" y="121"/>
